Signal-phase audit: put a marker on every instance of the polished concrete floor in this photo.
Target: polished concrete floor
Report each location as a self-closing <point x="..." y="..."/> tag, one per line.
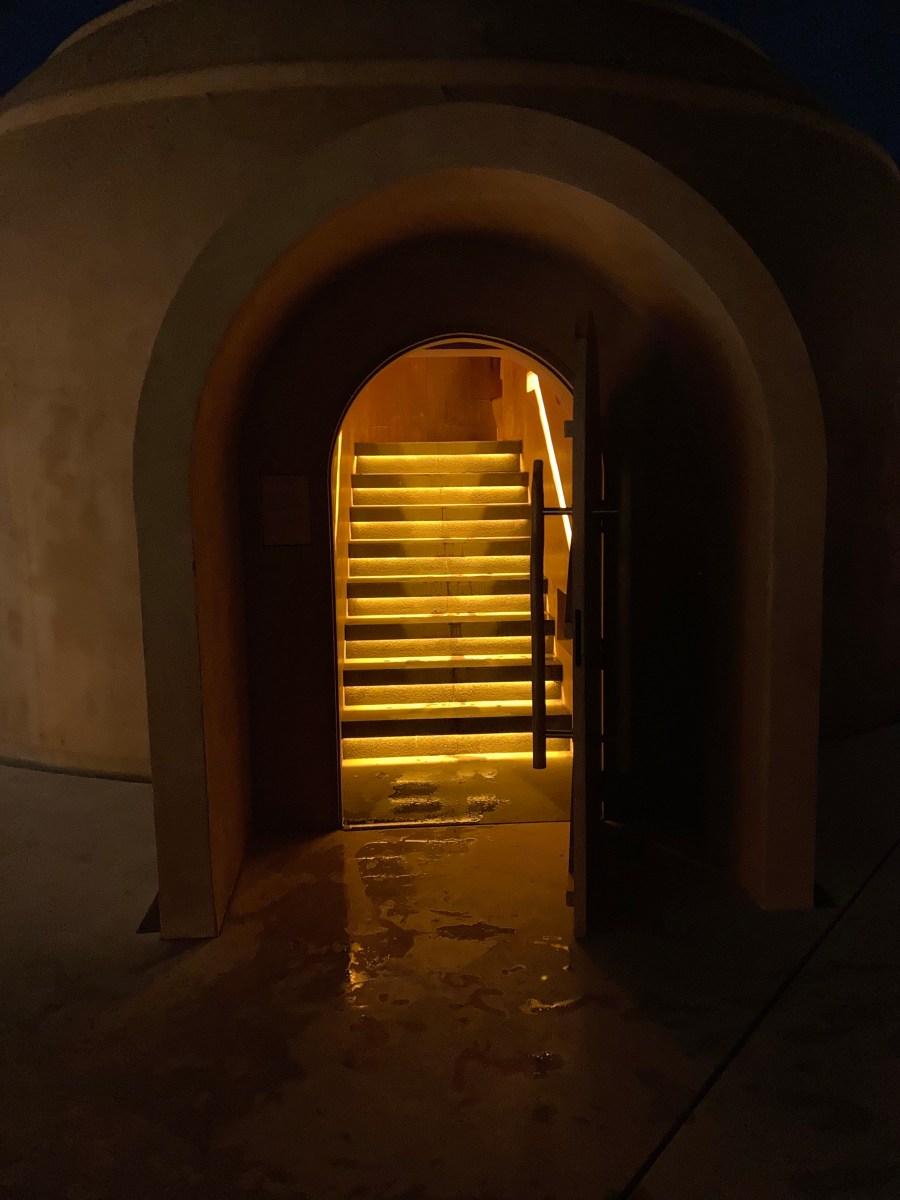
<point x="466" y="792"/>
<point x="403" y="1015"/>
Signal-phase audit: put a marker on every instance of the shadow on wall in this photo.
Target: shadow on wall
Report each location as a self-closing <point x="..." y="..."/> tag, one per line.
<point x="680" y="501"/>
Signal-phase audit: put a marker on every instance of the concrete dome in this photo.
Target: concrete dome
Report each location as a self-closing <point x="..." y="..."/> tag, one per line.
<point x="156" y="37"/>
<point x="146" y="131"/>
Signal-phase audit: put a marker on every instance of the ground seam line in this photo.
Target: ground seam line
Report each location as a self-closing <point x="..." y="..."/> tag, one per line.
<point x="651" y="1160"/>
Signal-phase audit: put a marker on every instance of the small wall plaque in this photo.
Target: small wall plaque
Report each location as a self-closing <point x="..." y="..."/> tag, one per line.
<point x="284" y="505"/>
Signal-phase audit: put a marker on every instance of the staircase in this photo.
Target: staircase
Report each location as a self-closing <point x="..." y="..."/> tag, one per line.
<point x="436" y="642"/>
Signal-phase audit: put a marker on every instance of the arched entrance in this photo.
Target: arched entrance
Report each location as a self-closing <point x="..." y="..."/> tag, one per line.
<point x="429" y="281"/>
<point x="431" y="506"/>
<point x="585" y="205"/>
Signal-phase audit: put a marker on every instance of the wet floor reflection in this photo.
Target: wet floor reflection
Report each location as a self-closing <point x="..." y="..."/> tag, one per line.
<point x="404" y="1014"/>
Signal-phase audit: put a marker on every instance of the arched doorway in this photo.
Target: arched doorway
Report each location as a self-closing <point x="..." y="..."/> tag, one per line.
<point x="430" y="282"/>
<point x="585" y="205"/>
<point x="431" y="475"/>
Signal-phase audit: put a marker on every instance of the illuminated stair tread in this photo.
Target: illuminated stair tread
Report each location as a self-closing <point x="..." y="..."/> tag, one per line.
<point x="439" y="585"/>
<point x="380" y="598"/>
<point x="443" y="617"/>
<point x="438" y="512"/>
<point x="413" y="480"/>
<point x="412" y="697"/>
<point x="446" y="747"/>
<point x="373" y="497"/>
<point x="435" y="659"/>
<point x="439" y="547"/>
<point x="416" y="713"/>
<point x="393" y="608"/>
<point x="426" y="568"/>
<point x="376" y="531"/>
<point x="465" y="723"/>
<point x="462" y="670"/>
<point x="391" y="449"/>
<point x="432" y="464"/>
<point x="427" y="625"/>
<point x="412" y="648"/>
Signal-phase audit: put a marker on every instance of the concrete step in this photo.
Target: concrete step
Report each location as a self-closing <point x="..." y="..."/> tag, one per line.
<point x="364" y="531"/>
<point x="468" y="720"/>
<point x="432" y="608"/>
<point x="392" y="448"/>
<point x="449" y="607"/>
<point x="487" y="547"/>
<point x="413" y="480"/>
<point x="367" y="513"/>
<point x="481" y="717"/>
<point x="444" y="461"/>
<point x="459" y="671"/>
<point x="438" y="522"/>
<point x="418" y="696"/>
<point x="494" y="493"/>
<point x="461" y="746"/>
<point x="462" y="594"/>
<point x="454" y="700"/>
<point x="440" y="585"/>
<point x="426" y="625"/>
<point x="408" y="649"/>
<point x="427" y="568"/>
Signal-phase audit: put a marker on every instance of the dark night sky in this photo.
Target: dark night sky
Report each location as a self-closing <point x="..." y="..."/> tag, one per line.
<point x="846" y="51"/>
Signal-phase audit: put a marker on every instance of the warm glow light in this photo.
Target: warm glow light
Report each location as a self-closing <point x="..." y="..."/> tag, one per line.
<point x="514" y="493"/>
<point x="437" y="567"/>
<point x="395" y="608"/>
<point x="434" y="745"/>
<point x="413" y="760"/>
<point x="470" y="529"/>
<point x="533" y="384"/>
<point x="493" y="614"/>
<point x="427" y="523"/>
<point x="337" y="484"/>
<point x="430" y="464"/>
<point x="360" y="710"/>
<point x="435" y="647"/>
<point x="513" y="659"/>
<point x="416" y="694"/>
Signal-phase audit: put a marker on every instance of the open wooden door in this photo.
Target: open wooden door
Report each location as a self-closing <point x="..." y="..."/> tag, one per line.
<point x="594" y="617"/>
<point x="593" y="604"/>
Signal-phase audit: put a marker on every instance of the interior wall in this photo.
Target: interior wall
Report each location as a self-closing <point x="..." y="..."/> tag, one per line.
<point x="427" y="397"/>
<point x="681" y="534"/>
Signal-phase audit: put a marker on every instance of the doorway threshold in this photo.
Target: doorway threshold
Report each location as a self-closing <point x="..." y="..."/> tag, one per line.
<point x="471" y="792"/>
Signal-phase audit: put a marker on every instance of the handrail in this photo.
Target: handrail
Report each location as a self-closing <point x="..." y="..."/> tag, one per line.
<point x="538" y="622"/>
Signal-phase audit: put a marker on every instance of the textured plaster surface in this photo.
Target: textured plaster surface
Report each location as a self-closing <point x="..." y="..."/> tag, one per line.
<point x="403" y="1014"/>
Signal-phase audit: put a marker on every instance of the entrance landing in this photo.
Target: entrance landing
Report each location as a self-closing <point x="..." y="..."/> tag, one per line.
<point x="399" y="1015"/>
<point x="478" y="792"/>
<point x="402" y="1015"/>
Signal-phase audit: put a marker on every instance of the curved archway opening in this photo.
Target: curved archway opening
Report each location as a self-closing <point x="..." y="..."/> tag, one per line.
<point x="692" y="476"/>
<point x="624" y="237"/>
<point x="430" y="498"/>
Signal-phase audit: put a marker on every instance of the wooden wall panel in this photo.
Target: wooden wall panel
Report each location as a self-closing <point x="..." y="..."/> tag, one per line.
<point x="424" y="399"/>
